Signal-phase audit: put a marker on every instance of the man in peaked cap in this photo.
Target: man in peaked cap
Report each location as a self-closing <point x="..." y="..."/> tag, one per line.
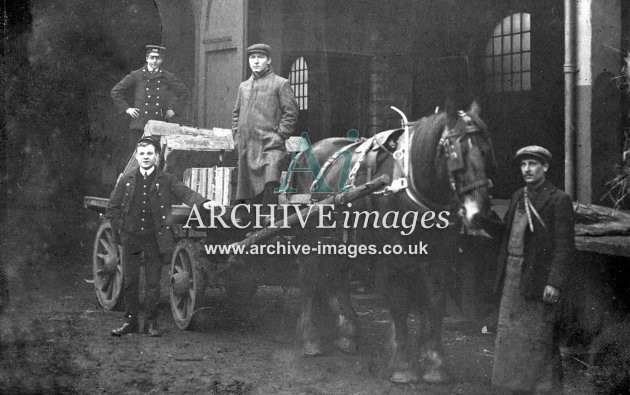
<point x="157" y="94"/>
<point x="139" y="210"/>
<point x="532" y="272"/>
<point x="264" y="117"/>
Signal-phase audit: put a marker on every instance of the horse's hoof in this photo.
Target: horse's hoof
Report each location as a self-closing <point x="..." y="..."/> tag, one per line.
<point x="435" y="377"/>
<point x="312" y="349"/>
<point x="346" y="345"/>
<point x="404" y="377"/>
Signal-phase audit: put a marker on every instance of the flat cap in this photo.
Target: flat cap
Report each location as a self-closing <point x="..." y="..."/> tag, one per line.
<point x="153" y="140"/>
<point x="259" y="48"/>
<point x="535" y="151"/>
<point x="155" y="49"/>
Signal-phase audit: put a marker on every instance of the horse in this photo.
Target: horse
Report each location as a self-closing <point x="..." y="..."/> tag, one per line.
<point x="438" y="164"/>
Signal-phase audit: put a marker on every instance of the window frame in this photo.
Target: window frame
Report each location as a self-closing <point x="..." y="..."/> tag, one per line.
<point x="507" y="55"/>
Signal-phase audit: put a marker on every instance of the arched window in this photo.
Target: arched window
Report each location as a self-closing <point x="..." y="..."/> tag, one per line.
<point x="508" y="55"/>
<point x="298" y="78"/>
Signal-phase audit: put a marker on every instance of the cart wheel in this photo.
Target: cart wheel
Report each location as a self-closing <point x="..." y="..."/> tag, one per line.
<point x="187" y="282"/>
<point x="107" y="268"/>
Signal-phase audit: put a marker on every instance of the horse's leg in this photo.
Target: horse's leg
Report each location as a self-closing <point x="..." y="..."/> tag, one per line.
<point x="402" y="369"/>
<point x="306" y="326"/>
<point x="434" y="298"/>
<point x="341" y="305"/>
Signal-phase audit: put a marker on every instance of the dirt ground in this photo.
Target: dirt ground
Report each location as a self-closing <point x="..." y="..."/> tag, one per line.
<point x="54" y="338"/>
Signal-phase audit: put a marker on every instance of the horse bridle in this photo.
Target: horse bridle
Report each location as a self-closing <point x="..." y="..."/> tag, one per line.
<point x="455" y="163"/>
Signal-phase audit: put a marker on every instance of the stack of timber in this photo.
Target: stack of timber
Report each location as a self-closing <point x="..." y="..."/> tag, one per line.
<point x="214" y="183"/>
<point x="598" y="229"/>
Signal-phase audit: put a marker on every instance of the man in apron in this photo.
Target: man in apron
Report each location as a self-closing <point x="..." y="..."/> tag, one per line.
<point x="534" y="263"/>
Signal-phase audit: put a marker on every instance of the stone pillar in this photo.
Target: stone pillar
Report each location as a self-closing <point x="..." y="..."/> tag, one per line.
<point x="598" y="23"/>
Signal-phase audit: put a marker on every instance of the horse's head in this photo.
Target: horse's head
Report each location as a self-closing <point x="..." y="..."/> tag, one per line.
<point x="456" y="145"/>
<point x="466" y="158"/>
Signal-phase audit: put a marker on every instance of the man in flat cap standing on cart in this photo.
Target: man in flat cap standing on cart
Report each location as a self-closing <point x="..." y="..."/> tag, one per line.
<point x="532" y="273"/>
<point x="139" y="209"/>
<point x="264" y="117"/>
<point x="157" y="94"/>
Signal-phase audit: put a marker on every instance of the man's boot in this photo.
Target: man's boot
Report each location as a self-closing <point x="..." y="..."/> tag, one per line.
<point x="130" y="326"/>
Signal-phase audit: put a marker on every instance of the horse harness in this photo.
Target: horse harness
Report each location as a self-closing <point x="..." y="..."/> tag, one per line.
<point x="400" y="140"/>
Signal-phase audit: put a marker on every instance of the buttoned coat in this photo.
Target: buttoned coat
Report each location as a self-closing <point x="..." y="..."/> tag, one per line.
<point x="153" y="94"/>
<point x="165" y="191"/>
<point x="548" y="250"/>
<point x="264" y="116"/>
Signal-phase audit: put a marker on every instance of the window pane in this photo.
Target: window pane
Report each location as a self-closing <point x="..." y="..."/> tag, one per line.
<point x="497" y="45"/>
<point x="497" y="31"/>
<point x="507" y="44"/>
<point x="526" y="46"/>
<point x="507" y="83"/>
<point x="526" y="61"/>
<point x="516" y="43"/>
<point x="507" y="63"/>
<point x="516" y="23"/>
<point x="516" y="82"/>
<point x="526" y="23"/>
<point x="507" y="25"/>
<point x="516" y="63"/>
<point x="527" y="81"/>
<point x="497" y="64"/>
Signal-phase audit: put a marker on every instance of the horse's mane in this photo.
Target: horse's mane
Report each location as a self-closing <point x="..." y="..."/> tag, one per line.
<point x="426" y="135"/>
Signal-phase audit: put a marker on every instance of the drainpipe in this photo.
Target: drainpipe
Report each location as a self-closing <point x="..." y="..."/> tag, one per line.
<point x="569" y="97"/>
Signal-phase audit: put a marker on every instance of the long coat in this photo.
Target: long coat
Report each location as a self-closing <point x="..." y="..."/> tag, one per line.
<point x="153" y="93"/>
<point x="165" y="190"/>
<point x="547" y="251"/>
<point x="264" y="116"/>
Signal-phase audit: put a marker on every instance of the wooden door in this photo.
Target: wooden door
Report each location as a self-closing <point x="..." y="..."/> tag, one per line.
<point x="221" y="60"/>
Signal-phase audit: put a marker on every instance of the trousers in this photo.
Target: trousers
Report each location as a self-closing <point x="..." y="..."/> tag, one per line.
<point x="137" y="250"/>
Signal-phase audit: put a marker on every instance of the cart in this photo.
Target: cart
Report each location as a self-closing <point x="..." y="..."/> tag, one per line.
<point x="192" y="269"/>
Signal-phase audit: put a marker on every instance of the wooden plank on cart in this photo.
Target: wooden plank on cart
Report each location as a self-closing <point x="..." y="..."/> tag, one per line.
<point x="203" y="151"/>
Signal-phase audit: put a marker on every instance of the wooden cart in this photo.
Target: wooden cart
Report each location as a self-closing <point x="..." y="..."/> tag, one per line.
<point x="192" y="269"/>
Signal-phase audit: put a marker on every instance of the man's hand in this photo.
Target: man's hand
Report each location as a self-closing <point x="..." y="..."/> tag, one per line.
<point x="169" y="114"/>
<point x="210" y="204"/>
<point x="551" y="294"/>
<point x="133" y="112"/>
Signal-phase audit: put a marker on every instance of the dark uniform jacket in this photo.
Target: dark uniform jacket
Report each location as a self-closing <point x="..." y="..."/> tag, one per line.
<point x="153" y="93"/>
<point x="264" y="116"/>
<point x="165" y="191"/>
<point x="547" y="252"/>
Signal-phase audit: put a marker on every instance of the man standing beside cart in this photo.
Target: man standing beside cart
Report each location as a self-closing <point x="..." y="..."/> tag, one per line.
<point x="139" y="209"/>
<point x="264" y="117"/>
<point x="532" y="273"/>
<point x="157" y="94"/>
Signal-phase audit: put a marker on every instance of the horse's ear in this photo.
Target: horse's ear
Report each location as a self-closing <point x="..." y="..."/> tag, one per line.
<point x="475" y="108"/>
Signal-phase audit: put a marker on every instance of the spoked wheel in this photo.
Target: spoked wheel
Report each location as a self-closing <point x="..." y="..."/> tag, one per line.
<point x="107" y="268"/>
<point x="187" y="282"/>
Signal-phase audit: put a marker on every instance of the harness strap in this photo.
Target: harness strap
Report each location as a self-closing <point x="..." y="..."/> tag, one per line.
<point x="476" y="184"/>
<point x="322" y="171"/>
